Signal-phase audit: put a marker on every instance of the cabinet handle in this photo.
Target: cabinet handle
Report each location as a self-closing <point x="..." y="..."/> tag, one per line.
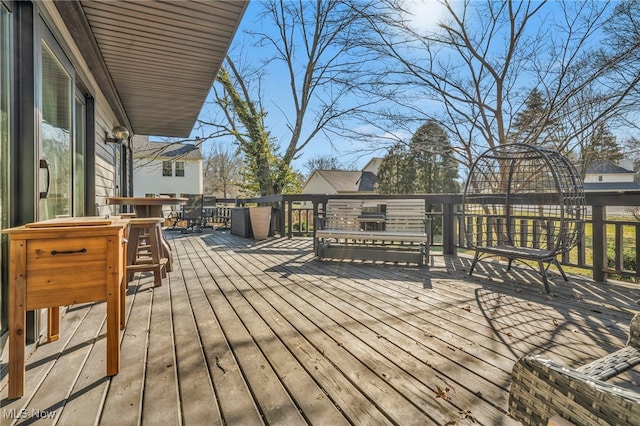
<point x="54" y="252"/>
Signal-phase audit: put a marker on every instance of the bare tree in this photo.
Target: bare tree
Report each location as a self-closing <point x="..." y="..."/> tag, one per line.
<point x="474" y="72"/>
<point x="309" y="47"/>
<point x="323" y="162"/>
<point x="222" y="167"/>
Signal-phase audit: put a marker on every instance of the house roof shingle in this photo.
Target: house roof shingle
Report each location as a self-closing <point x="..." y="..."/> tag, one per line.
<point x="143" y="148"/>
<point x="608" y="167"/>
<point x="341" y="180"/>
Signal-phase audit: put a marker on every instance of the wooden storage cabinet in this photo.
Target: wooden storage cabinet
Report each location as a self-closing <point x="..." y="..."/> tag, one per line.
<point x="63" y="262"/>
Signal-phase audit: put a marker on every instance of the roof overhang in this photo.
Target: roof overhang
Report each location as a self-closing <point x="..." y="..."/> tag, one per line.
<point x="154" y="60"/>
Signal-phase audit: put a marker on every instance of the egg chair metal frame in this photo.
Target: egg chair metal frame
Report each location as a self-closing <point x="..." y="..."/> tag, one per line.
<point x="523" y="202"/>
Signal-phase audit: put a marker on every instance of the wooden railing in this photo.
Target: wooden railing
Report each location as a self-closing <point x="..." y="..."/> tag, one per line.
<point x="609" y="244"/>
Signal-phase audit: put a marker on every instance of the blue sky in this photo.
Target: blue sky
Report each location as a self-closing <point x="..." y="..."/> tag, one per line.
<point x="277" y="97"/>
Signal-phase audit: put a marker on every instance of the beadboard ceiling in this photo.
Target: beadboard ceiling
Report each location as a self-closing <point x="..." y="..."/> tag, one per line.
<point x="161" y="56"/>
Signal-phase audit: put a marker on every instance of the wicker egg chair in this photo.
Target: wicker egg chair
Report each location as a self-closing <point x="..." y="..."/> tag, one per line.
<point x="523" y="202"/>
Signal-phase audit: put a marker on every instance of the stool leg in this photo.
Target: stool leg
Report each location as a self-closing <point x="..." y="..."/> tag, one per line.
<point x="155" y="255"/>
<point x="132" y="249"/>
<point x="145" y="253"/>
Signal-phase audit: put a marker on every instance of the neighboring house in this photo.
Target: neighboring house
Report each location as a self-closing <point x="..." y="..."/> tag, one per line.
<point x="166" y="169"/>
<point x="373" y="165"/>
<point x="70" y="72"/>
<point x="343" y="181"/>
<point x="608" y="176"/>
<point x="338" y="182"/>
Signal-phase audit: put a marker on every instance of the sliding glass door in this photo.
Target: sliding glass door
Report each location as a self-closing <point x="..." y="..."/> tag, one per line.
<point x="80" y="151"/>
<point x="55" y="168"/>
<point x="62" y="141"/>
<point x="6" y="64"/>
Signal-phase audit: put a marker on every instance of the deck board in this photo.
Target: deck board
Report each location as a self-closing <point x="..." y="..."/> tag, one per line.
<point x="246" y="332"/>
<point x="313" y="402"/>
<point x="405" y="368"/>
<point x="126" y="388"/>
<point x="193" y="373"/>
<point x="232" y="394"/>
<point x="333" y="347"/>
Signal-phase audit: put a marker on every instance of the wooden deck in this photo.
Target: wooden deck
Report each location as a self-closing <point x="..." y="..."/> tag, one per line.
<point x="247" y="332"/>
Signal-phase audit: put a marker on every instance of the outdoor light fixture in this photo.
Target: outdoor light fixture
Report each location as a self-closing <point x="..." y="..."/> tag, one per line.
<point x="118" y="133"/>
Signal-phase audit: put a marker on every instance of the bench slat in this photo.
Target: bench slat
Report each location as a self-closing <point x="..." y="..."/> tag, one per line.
<point x="404" y="223"/>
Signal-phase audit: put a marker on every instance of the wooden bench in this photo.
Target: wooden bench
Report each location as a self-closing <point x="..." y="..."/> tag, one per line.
<point x="339" y="233"/>
<point x="542" y="388"/>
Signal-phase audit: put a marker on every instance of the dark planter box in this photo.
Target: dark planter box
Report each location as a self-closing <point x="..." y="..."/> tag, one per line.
<point x="240" y="222"/>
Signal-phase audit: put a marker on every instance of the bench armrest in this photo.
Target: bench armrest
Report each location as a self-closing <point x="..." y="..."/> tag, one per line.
<point x="427" y="224"/>
<point x="319" y="222"/>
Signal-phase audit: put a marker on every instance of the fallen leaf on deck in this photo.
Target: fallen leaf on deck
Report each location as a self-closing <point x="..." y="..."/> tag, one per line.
<point x="442" y="393"/>
<point x="467" y="415"/>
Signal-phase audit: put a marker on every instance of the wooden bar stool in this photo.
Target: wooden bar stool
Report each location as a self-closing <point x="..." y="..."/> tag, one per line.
<point x="144" y="249"/>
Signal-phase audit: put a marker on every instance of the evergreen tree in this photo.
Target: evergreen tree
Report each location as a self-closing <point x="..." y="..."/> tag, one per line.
<point x="426" y="165"/>
<point x="533" y="125"/>
<point x="433" y="159"/>
<point x="602" y="145"/>
<point x="394" y="177"/>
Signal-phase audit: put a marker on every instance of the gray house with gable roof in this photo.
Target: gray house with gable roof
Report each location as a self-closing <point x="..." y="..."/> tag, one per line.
<point x="608" y="176"/>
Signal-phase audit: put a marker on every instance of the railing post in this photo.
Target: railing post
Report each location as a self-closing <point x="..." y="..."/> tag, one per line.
<point x="315" y="214"/>
<point x="599" y="246"/>
<point x="290" y="218"/>
<point x="448" y="229"/>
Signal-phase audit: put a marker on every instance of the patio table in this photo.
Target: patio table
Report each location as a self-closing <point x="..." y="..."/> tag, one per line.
<point x="151" y="207"/>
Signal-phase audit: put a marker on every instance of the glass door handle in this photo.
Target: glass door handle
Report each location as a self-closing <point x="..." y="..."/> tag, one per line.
<point x="44" y="164"/>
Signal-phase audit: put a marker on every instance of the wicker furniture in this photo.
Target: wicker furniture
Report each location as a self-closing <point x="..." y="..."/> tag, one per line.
<point x="523" y="202"/>
<point x="542" y="388"/>
<point x="401" y="236"/>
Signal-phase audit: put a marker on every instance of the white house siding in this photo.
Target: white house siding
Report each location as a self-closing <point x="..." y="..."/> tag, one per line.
<point x="608" y="177"/>
<point x="148" y="179"/>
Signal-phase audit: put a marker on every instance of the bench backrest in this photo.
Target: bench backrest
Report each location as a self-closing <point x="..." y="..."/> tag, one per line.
<point x="405" y="215"/>
<point x="343" y="214"/>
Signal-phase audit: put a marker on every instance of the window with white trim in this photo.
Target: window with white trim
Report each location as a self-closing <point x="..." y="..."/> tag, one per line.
<point x="180" y="168"/>
<point x="167" y="168"/>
